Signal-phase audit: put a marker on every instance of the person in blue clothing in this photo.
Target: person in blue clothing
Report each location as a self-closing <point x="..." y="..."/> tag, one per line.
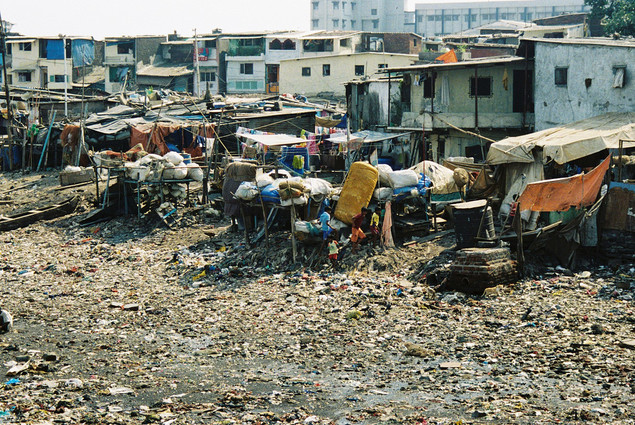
<point x="325" y="222"/>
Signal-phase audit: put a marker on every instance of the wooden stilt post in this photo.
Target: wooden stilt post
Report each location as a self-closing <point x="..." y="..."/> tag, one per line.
<point x="293" y="244"/>
<point x="520" y="254"/>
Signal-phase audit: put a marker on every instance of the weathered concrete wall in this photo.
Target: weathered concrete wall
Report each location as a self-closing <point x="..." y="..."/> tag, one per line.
<point x="457" y="106"/>
<point x="556" y="104"/>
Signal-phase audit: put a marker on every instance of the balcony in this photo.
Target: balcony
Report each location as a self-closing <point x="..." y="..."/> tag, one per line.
<point x="246" y="51"/>
<point x="127" y="59"/>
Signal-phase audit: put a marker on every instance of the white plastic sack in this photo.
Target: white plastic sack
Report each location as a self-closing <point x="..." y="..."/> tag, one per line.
<point x="383" y="194"/>
<point x="246" y="191"/>
<point x="403" y="178"/>
<point x="149" y="158"/>
<point x="384" y="171"/>
<point x="263" y="180"/>
<point x="318" y="187"/>
<point x="194" y="172"/>
<point x="302" y="200"/>
<point x="132" y="170"/>
<point x="174" y="157"/>
<point x="180" y="171"/>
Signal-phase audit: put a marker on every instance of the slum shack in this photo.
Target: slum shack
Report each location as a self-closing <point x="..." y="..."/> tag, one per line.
<point x="563" y="177"/>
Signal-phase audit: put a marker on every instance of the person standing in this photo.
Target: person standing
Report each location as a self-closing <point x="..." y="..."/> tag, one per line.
<point x="374" y="226"/>
<point x="333" y="251"/>
<point x="357" y="233"/>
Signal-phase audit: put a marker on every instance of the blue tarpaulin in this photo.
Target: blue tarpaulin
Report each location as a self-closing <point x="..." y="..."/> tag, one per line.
<point x="55" y="49"/>
<point x="1" y="55"/>
<point x="83" y="52"/>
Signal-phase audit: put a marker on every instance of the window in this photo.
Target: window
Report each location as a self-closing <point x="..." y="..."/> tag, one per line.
<point x="352" y="24"/>
<point x="246" y="68"/>
<point x="326" y="69"/>
<point x="375" y="23"/>
<point x="288" y="45"/>
<point x="315" y="23"/>
<point x="428" y="87"/>
<point x="353" y="4"/>
<point x="125" y="48"/>
<point x="359" y="70"/>
<point x="316" y="5"/>
<point x="24" y="77"/>
<point x="246" y="85"/>
<point x="343" y="23"/>
<point x="560" y="76"/>
<point x="481" y="88"/>
<point x="306" y="71"/>
<point x="275" y="44"/>
<point x="382" y="66"/>
<point x="619" y="76"/>
<point x="26" y="47"/>
<point x="336" y="5"/>
<point x="336" y="23"/>
<point x="208" y="76"/>
<point x="57" y="78"/>
<point x="345" y="42"/>
<point x="431" y="18"/>
<point x="343" y="6"/>
<point x="373" y="12"/>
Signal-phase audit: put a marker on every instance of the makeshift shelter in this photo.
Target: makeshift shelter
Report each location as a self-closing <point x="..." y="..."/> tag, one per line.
<point x="524" y="157"/>
<point x="567" y="143"/>
<point x="162" y="137"/>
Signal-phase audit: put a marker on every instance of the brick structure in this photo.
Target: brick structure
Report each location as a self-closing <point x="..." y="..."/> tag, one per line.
<point x="475" y="269"/>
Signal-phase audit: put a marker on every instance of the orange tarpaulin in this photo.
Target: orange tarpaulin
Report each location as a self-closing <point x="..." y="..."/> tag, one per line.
<point x="448" y="57"/>
<point x="580" y="190"/>
<point x="152" y="136"/>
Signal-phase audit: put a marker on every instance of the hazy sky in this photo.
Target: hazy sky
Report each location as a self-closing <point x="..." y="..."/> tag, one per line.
<point x="100" y="18"/>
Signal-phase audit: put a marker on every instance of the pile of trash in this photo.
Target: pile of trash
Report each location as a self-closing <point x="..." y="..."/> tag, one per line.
<point x="166" y="175"/>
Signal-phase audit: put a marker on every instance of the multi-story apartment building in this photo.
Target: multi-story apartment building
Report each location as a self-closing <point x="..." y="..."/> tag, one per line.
<point x="47" y="62"/>
<point x="124" y="55"/>
<point x="358" y="15"/>
<point x="435" y="19"/>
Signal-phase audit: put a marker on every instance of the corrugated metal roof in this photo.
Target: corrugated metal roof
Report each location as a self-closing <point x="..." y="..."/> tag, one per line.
<point x="596" y="41"/>
<point x="462" y="64"/>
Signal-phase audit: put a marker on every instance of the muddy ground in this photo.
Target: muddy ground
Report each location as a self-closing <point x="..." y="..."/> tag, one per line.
<point x="127" y="321"/>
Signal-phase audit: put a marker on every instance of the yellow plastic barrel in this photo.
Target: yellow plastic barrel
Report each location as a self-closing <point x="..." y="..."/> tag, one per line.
<point x="357" y="191"/>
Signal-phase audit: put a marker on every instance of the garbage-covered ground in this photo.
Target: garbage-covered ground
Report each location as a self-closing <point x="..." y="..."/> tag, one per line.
<point x="127" y="321"/>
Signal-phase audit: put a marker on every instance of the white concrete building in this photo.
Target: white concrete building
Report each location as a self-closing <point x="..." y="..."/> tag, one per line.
<point x="582" y="78"/>
<point x="358" y="15"/>
<point x="206" y="77"/>
<point x="327" y="74"/>
<point x="436" y="19"/>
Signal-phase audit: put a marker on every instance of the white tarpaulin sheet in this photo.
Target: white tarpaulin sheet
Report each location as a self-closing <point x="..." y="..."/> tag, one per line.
<point x="569" y="142"/>
<point x="442" y="178"/>
<point x="273" y="139"/>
